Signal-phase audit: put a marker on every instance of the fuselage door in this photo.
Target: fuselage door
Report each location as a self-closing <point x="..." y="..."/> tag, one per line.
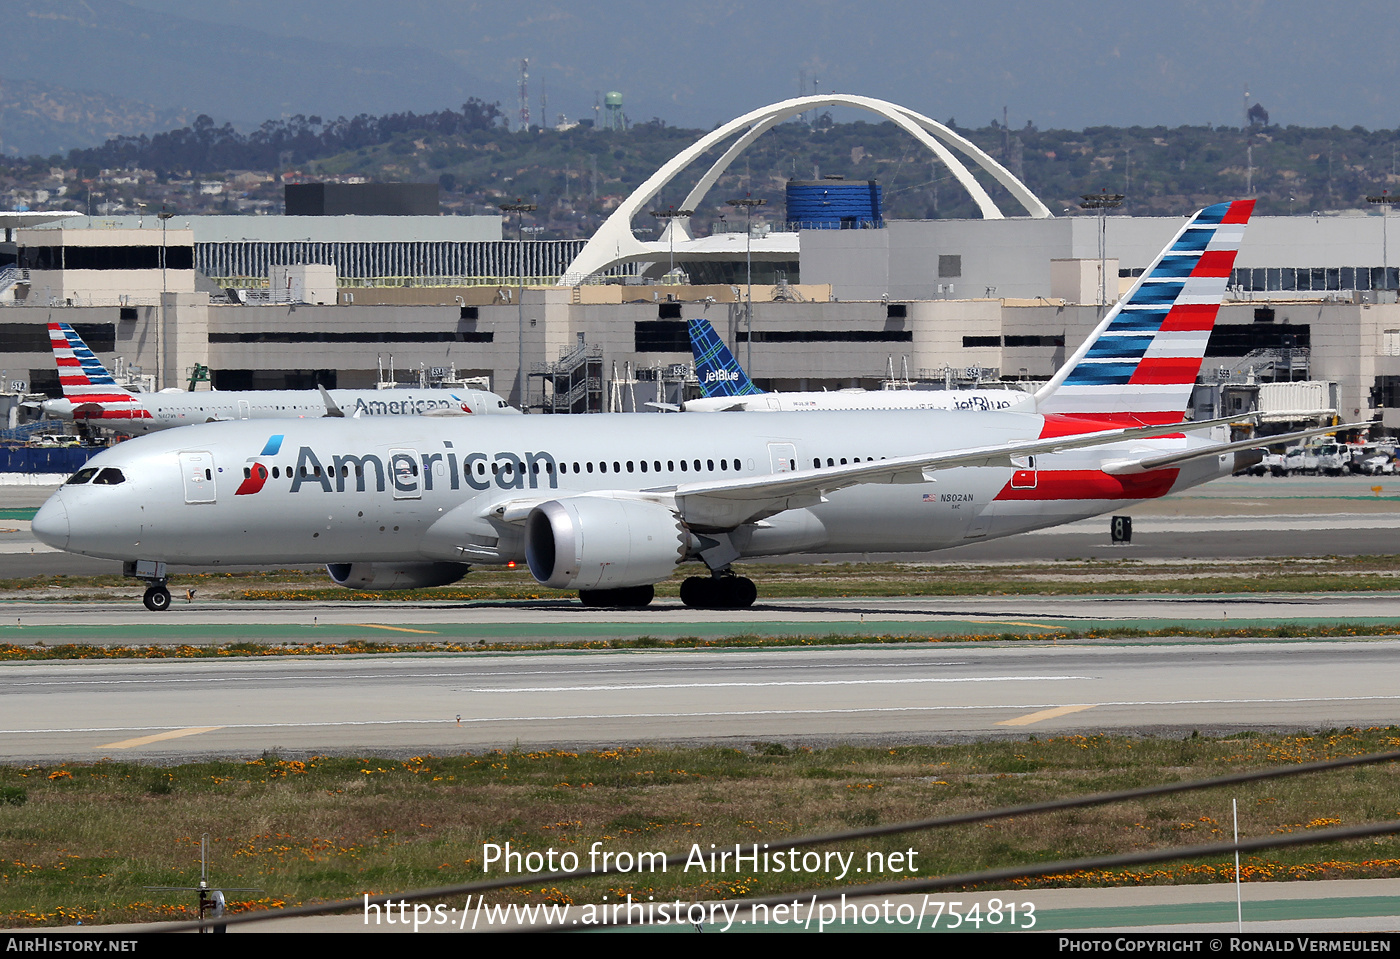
<point x="197" y="471"/>
<point x="1025" y="476"/>
<point x="243" y="409"/>
<point x="405" y="474"/>
<point x="783" y="457"/>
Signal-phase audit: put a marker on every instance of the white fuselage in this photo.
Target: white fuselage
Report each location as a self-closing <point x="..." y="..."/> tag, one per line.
<point x="444" y="490"/>
<point x="206" y="406"/>
<point x="812" y="401"/>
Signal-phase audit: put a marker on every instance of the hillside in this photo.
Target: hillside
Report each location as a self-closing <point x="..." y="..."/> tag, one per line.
<point x="578" y="175"/>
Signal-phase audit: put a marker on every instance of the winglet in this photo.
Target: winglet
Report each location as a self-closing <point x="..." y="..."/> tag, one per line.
<point x="331" y="408"/>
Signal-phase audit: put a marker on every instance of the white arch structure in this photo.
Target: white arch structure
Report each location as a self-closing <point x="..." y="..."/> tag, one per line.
<point x="615" y="243"/>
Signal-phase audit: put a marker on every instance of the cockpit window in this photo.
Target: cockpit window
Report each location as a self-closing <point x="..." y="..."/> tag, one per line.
<point x="111" y="476"/>
<point x="81" y="477"/>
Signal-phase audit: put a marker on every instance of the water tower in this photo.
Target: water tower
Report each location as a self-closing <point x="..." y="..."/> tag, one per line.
<point x="613" y="103"/>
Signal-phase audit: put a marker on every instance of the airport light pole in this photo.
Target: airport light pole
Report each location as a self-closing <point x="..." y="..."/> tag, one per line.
<point x="1385" y="201"/>
<point x="519" y="207"/>
<point x="164" y="215"/>
<point x="1103" y="202"/>
<point x="748" y="202"/>
<point x="671" y="215"/>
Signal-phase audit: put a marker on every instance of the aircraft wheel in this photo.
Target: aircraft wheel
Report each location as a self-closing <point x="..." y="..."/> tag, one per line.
<point x="742" y="592"/>
<point x="725" y="592"/>
<point x="157" y="599"/>
<point x="695" y="591"/>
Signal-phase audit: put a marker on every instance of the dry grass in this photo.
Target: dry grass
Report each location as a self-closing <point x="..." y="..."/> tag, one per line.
<point x="83" y="841"/>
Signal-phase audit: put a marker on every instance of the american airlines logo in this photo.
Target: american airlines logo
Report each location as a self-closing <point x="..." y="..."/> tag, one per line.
<point x="410" y="471"/>
<point x="414" y="406"/>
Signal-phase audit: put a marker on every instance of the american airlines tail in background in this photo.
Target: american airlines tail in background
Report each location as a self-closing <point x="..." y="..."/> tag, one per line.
<point x="92" y="395"/>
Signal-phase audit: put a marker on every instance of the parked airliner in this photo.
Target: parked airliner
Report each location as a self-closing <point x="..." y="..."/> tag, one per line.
<point x="724" y="386"/>
<point x="92" y="395"/>
<point x="610" y="504"/>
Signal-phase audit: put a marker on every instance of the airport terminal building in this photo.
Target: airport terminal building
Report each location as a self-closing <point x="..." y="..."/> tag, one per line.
<point x="945" y="302"/>
<point x="267" y="302"/>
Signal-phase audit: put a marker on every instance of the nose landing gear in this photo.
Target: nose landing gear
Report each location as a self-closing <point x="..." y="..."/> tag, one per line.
<point x="157" y="598"/>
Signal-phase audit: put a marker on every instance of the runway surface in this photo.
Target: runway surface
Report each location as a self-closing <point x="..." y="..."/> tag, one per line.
<point x="161" y="710"/>
<point x="178" y="709"/>
<point x="566" y="621"/>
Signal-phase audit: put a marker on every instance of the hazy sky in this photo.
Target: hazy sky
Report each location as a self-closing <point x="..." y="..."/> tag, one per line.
<point x="1065" y="64"/>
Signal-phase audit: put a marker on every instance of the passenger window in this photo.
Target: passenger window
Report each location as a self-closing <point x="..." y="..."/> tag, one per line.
<point x="629" y="466"/>
<point x="81" y="477"/>
<point x="816" y="463"/>
<point x="209" y="475"/>
<point x="603" y="466"/>
<point x="247" y="473"/>
<point x="670" y="466"/>
<point x="643" y="465"/>
<point x="657" y="464"/>
<point x="697" y="466"/>
<point x="617" y="467"/>
<point x="683" y="466"/>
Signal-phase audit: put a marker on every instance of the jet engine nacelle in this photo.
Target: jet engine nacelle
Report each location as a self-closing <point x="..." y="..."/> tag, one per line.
<point x="383" y="576"/>
<point x="588" y="542"/>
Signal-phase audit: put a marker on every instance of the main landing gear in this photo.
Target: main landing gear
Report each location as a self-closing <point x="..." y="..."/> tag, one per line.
<point x="157" y="598"/>
<point x="718" y="592"/>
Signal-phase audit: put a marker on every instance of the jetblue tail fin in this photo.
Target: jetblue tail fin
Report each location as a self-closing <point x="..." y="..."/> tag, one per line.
<point x="716" y="368"/>
<point x="1140" y="363"/>
<point x="86" y="383"/>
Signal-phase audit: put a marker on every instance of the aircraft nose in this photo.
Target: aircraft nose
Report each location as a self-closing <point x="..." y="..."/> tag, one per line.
<point x="50" y="525"/>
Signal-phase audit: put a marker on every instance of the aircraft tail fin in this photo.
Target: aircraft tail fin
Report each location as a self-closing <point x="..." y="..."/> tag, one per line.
<point x="716" y="368"/>
<point x="1140" y="363"/>
<point x="94" y="393"/>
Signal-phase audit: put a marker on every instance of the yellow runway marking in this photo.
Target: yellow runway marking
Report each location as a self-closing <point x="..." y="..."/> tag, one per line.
<point x="398" y="629"/>
<point x="1043" y="714"/>
<point x="1012" y="622"/>
<point x="173" y="734"/>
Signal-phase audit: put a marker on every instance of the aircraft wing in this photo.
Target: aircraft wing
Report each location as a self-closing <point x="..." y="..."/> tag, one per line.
<point x="1145" y="463"/>
<point x="725" y="504"/>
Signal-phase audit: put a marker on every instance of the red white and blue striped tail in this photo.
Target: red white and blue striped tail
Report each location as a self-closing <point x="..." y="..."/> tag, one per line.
<point x="95" y="395"/>
<point x="1140" y="364"/>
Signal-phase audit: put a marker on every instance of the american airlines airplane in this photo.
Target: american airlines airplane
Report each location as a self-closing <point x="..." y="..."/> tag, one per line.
<point x="610" y="504"/>
<point x="92" y="395"/>
<point x="726" y="387"/>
